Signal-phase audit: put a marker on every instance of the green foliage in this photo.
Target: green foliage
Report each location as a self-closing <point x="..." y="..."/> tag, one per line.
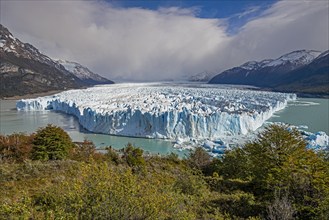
<point x="99" y="190"/>
<point x="51" y="143"/>
<point x="213" y="168"/>
<point x="20" y="209"/>
<point x="84" y="151"/>
<point x="279" y="161"/>
<point x="199" y="158"/>
<point x="236" y="204"/>
<point x="133" y="156"/>
<point x="172" y="157"/>
<point x="220" y="184"/>
<point x="273" y="177"/>
<point x="191" y="184"/>
<point x="274" y="147"/>
<point x="112" y="156"/>
<point x="234" y="164"/>
<point x="105" y="193"/>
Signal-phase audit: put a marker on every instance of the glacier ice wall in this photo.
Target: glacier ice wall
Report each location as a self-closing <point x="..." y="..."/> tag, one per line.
<point x="164" y="110"/>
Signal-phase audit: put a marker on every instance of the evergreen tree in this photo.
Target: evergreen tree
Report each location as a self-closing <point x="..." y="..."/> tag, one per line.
<point x="51" y="143"/>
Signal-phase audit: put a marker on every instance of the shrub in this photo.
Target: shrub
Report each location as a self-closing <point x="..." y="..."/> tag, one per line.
<point x="172" y="157"/>
<point x="51" y="143"/>
<point x="85" y="151"/>
<point x="112" y="156"/>
<point x="236" y="204"/>
<point x="103" y="192"/>
<point x="199" y="158"/>
<point x="15" y="147"/>
<point x="279" y="161"/>
<point x="133" y="156"/>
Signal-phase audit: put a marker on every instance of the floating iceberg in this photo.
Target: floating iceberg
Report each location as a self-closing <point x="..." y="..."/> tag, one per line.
<point x="318" y="141"/>
<point x="173" y="111"/>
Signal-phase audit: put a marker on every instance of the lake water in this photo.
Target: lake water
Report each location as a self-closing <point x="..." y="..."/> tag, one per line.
<point x="314" y="113"/>
<point x="12" y="121"/>
<point x="309" y="112"/>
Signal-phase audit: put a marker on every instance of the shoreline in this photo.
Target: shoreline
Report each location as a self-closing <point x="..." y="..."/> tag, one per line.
<point x="299" y="94"/>
<point x="317" y="96"/>
<point x="32" y="96"/>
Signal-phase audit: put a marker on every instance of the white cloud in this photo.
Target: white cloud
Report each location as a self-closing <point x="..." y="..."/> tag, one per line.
<point x="140" y="44"/>
<point x="286" y="26"/>
<point x="248" y="11"/>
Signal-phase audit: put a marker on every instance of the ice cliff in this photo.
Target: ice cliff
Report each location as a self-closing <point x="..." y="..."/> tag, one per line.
<point x="165" y="110"/>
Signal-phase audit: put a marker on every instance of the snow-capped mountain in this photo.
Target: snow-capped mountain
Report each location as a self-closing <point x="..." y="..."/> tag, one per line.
<point x="25" y="70"/>
<point x="272" y="73"/>
<point x="296" y="58"/>
<point x="201" y="77"/>
<point x="311" y="78"/>
<point x="83" y="72"/>
<point x="11" y="45"/>
<point x="324" y="54"/>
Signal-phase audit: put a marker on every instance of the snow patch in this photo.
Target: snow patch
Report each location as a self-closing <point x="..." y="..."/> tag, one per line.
<point x="80" y="71"/>
<point x="68" y="66"/>
<point x="2" y="43"/>
<point x="297" y="57"/>
<point x="250" y="65"/>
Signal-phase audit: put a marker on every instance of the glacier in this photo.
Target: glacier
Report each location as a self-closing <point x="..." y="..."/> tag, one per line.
<point x="165" y="110"/>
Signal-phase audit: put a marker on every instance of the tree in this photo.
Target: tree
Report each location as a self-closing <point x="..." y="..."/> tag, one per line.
<point x="51" y="143"/>
<point x="279" y="161"/>
<point x="199" y="158"/>
<point x="234" y="165"/>
<point x="133" y="156"/>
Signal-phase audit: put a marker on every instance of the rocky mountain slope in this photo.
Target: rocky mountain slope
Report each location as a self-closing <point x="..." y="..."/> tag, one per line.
<point x="303" y="71"/>
<point x="83" y="73"/>
<point x="311" y="78"/>
<point x="24" y="70"/>
<point x="201" y="77"/>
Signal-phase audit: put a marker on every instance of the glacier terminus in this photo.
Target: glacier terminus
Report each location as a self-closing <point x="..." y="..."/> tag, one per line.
<point x="175" y="111"/>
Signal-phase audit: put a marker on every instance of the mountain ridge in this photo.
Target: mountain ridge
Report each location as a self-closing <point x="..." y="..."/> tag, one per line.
<point x="83" y="73"/>
<point x="301" y="71"/>
<point x="25" y="70"/>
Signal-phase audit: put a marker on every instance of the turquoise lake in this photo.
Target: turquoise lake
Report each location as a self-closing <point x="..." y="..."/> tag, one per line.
<point x="309" y="112"/>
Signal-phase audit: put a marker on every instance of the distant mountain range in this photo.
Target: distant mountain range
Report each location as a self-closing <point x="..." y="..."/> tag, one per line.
<point x="24" y="70"/>
<point x="302" y="71"/>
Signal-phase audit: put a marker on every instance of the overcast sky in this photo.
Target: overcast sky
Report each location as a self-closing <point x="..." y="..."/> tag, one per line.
<point x="167" y="41"/>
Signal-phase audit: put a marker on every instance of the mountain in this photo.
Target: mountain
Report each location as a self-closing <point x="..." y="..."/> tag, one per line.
<point x="311" y="78"/>
<point x="83" y="73"/>
<point x="302" y="71"/>
<point x="201" y="77"/>
<point x="24" y="70"/>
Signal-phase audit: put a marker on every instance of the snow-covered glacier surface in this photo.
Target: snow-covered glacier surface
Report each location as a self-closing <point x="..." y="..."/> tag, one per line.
<point x="159" y="110"/>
